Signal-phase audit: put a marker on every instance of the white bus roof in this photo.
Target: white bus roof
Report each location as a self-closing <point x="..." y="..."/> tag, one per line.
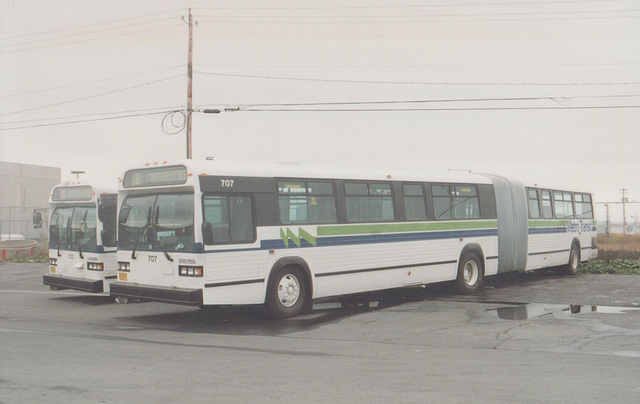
<point x="297" y="170"/>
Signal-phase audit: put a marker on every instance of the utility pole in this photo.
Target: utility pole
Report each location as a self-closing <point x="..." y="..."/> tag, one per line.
<point x="608" y="222"/>
<point x="189" y="85"/>
<point x="624" y="210"/>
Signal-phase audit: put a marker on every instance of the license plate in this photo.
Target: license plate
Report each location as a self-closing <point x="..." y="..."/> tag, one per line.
<point x="122" y="276"/>
<point x="52" y="270"/>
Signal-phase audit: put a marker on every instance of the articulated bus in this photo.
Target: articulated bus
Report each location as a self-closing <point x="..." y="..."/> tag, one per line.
<point x="215" y="233"/>
<point x="82" y="238"/>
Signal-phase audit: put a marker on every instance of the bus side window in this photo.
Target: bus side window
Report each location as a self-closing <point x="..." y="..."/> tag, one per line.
<point x="563" y="203"/>
<point x="534" y="203"/>
<point x="455" y="201"/>
<point x="584" y="210"/>
<point x="230" y="218"/>
<point x="369" y="202"/>
<point x="547" y="210"/>
<point x="414" y="202"/>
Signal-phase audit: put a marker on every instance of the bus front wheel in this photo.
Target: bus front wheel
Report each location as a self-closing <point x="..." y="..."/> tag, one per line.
<point x="287" y="293"/>
<point x="470" y="273"/>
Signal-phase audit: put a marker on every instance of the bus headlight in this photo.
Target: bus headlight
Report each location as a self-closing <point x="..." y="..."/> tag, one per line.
<point x="53" y="261"/>
<point x="95" y="266"/>
<point x="124" y="266"/>
<point x="185" y="270"/>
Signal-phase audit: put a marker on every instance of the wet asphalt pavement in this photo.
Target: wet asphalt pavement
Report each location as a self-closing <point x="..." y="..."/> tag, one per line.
<point x="536" y="337"/>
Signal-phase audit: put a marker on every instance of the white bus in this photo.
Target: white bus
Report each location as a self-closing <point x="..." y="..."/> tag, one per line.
<point x="82" y="242"/>
<point x="214" y="233"/>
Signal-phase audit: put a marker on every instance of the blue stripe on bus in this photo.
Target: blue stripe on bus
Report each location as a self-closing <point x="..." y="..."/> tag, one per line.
<point x="333" y="241"/>
<point x="547" y="230"/>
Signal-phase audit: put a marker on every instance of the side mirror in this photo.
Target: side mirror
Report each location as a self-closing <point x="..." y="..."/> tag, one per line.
<point x="101" y="212"/>
<point x="37" y="219"/>
<point x="207" y="233"/>
<point x="124" y="213"/>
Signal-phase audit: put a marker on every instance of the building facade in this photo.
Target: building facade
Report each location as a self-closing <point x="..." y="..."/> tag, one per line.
<point x="23" y="189"/>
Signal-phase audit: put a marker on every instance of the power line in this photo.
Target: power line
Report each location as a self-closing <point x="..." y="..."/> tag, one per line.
<point x="430" y="83"/>
<point x="431" y="16"/>
<point x="409" y="5"/>
<point x="441" y="109"/>
<point x="421" y="66"/>
<point x="94" y="95"/>
<point x="85" y="120"/>
<point x="84" y="33"/>
<point x="87" y="25"/>
<point x="562" y="100"/>
<point x="91" y="39"/>
<point x="88" y="82"/>
<point x="162" y="109"/>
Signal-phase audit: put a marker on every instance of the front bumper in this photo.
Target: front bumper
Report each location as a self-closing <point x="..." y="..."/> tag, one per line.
<point x="190" y="297"/>
<point x="63" y="282"/>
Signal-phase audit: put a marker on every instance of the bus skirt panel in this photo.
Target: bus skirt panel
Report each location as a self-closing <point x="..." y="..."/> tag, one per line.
<point x="190" y="297"/>
<point x="63" y="282"/>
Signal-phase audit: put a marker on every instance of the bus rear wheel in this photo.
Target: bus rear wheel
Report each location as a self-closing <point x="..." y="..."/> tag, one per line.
<point x="470" y="274"/>
<point x="574" y="260"/>
<point x="288" y="293"/>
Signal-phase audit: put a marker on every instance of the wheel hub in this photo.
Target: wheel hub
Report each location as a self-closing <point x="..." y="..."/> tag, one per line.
<point x="288" y="290"/>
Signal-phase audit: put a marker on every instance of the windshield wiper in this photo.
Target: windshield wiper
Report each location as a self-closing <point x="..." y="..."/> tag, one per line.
<point x="141" y="234"/>
<point x="67" y="235"/>
<point x="166" y="254"/>
<point x="156" y="221"/>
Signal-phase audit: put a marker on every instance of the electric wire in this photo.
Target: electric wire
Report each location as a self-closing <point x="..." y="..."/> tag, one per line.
<point x="429" y="83"/>
<point x="444" y="109"/>
<point x="89" y="82"/>
<point x="88" y="25"/>
<point x="94" y="95"/>
<point x="408" y="5"/>
<point x="562" y="100"/>
<point x="97" y="114"/>
<point x="90" y="39"/>
<point x="84" y="121"/>
<point x="84" y="33"/>
<point x="463" y="15"/>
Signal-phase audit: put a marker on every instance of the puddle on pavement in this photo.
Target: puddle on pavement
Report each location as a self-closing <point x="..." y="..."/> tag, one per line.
<point x="537" y="310"/>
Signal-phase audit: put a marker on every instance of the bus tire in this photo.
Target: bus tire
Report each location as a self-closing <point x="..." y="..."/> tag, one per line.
<point x="287" y="294"/>
<point x="470" y="274"/>
<point x="574" y="260"/>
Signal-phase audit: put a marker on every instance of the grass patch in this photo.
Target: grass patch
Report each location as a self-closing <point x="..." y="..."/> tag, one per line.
<point x="617" y="254"/>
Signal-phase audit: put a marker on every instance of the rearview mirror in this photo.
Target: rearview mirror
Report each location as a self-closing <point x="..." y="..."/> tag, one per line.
<point x="207" y="233"/>
<point x="37" y="219"/>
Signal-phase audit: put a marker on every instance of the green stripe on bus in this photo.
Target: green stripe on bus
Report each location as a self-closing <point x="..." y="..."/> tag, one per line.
<point x="403" y="227"/>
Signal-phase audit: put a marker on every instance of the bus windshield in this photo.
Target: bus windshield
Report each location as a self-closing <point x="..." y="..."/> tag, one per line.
<point x="73" y="228"/>
<point x="161" y="222"/>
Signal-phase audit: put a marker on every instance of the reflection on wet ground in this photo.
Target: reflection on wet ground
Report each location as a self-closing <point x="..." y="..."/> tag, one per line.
<point x="253" y="320"/>
<point x="537" y="310"/>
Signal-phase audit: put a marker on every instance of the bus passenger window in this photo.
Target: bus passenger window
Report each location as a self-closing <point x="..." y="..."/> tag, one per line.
<point x="584" y="210"/>
<point x="231" y="218"/>
<point x="547" y="210"/>
<point x="306" y="202"/>
<point x="414" y="203"/>
<point x="369" y="202"/>
<point x="563" y="204"/>
<point x="534" y="204"/>
<point x="455" y="202"/>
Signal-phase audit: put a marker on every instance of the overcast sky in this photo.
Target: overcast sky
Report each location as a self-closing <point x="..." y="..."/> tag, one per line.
<point x="544" y="91"/>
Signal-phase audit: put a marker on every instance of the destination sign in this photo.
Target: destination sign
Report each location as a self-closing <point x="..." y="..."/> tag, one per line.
<point x="157" y="176"/>
<point x="83" y="193"/>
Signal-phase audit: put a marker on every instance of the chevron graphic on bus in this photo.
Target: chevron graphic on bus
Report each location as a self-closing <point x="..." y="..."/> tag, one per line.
<point x="288" y="234"/>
